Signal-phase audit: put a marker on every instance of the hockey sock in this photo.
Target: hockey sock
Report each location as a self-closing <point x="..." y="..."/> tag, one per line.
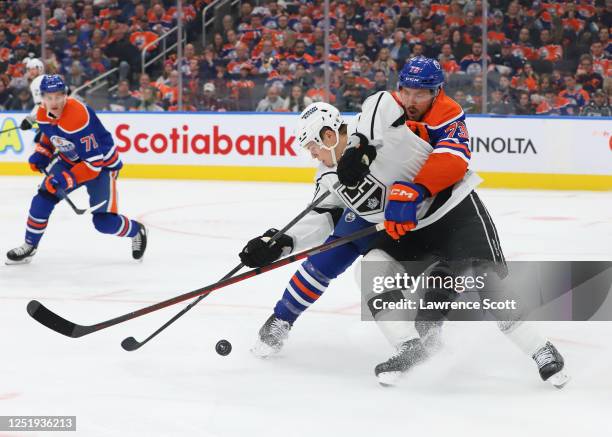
<point x="40" y="210"/>
<point x="115" y="224"/>
<point x="304" y="288"/>
<point x="524" y="335"/>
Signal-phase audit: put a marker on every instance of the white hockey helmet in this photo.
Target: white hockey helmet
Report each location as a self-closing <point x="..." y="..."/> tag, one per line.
<point x="315" y="117"/>
<point x="35" y="63"/>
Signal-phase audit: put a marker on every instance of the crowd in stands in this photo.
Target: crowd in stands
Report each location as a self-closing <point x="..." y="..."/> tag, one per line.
<point x="545" y="58"/>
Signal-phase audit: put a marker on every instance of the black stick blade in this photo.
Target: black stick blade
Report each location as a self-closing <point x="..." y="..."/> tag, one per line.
<point x="130" y="344"/>
<point x="48" y="318"/>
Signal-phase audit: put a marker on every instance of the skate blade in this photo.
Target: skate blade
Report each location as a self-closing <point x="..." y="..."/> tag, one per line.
<point x="389" y="379"/>
<point x="9" y="262"/>
<point x="559" y="380"/>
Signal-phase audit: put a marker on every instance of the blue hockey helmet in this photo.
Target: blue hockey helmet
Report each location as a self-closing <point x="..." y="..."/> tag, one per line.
<point x="421" y="72"/>
<point x="52" y="83"/>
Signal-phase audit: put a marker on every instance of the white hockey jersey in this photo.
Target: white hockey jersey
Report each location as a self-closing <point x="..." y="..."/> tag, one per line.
<point x="400" y="156"/>
<point x="35" y="90"/>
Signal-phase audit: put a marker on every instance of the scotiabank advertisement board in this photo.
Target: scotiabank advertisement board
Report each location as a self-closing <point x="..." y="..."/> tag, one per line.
<point x="532" y="145"/>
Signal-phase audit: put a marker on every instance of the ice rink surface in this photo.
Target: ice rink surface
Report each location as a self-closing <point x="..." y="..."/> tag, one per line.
<point x="323" y="383"/>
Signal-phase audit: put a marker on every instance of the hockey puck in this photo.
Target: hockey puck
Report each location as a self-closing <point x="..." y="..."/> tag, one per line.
<point x="223" y="347"/>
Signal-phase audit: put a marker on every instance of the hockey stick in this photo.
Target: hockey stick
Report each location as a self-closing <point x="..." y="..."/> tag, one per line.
<point x="58" y="324"/>
<point x="62" y="195"/>
<point x="9" y="129"/>
<point x="131" y="344"/>
<point x="51" y="320"/>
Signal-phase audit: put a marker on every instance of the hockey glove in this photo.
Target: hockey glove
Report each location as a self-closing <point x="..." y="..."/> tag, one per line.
<point x="40" y="159"/>
<point x="400" y="214"/>
<point x="258" y="253"/>
<point x="63" y="181"/>
<point x="26" y="123"/>
<point x="355" y="162"/>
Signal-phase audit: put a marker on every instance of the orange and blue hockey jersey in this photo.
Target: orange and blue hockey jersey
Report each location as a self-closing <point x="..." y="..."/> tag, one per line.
<point x="443" y="126"/>
<point x="80" y="138"/>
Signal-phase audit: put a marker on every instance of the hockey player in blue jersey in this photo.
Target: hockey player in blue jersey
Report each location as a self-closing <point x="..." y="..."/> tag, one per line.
<point x="80" y="152"/>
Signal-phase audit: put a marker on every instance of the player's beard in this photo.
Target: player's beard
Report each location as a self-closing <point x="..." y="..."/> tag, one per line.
<point x="413" y="113"/>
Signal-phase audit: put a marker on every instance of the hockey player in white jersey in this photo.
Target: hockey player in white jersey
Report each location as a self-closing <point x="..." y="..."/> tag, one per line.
<point x="387" y="173"/>
<point x="35" y="70"/>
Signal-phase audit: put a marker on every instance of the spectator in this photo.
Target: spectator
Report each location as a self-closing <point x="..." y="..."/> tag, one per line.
<point x="22" y="101"/>
<point x="459" y="47"/>
<point x="372" y="46"/>
<point x="403" y="20"/>
<point x="474" y="92"/>
<point x="208" y="101"/>
<point x="386" y="64"/>
<point x="241" y="90"/>
<point x="317" y="90"/>
<point x="164" y="79"/>
<point x="352" y="99"/>
<point x="527" y="80"/>
<point x="122" y="99"/>
<point x="75" y="77"/>
<point x="5" y="95"/>
<point x="120" y="49"/>
<point x="98" y="64"/>
<point x="301" y="77"/>
<point x="399" y="51"/>
<point x="470" y="31"/>
<point x="148" y="101"/>
<point x="552" y="104"/>
<point x="524" y="106"/>
<point x="144" y="82"/>
<point x="505" y="62"/>
<point x="601" y="63"/>
<point x="297" y="101"/>
<point x="498" y="105"/>
<point x="447" y="60"/>
<point x="431" y="48"/>
<point x="466" y="102"/>
<point x="169" y="92"/>
<point x="380" y="82"/>
<point x="586" y="76"/>
<point x="575" y="94"/>
<point x="473" y="63"/>
<point x="272" y="101"/>
<point x="208" y="64"/>
<point x="549" y="51"/>
<point x="598" y="106"/>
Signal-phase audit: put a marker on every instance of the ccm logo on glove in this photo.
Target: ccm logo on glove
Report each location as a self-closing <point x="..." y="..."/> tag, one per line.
<point x="401" y="211"/>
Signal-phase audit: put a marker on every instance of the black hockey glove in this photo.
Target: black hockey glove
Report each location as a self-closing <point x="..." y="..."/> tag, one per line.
<point x="258" y="253"/>
<point x="355" y="162"/>
<point x="26" y="124"/>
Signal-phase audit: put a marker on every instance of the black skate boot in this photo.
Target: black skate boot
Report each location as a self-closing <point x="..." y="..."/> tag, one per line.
<point x="20" y="255"/>
<point x="409" y="354"/>
<point x="272" y="336"/>
<point x="550" y="365"/>
<point x="139" y="243"/>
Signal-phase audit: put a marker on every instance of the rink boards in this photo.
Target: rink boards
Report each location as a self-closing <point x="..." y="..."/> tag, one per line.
<point x="508" y="152"/>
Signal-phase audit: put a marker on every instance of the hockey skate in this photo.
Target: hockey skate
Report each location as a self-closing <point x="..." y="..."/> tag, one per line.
<point x="408" y="355"/>
<point x="271" y="338"/>
<point x="20" y="255"/>
<point x="139" y="243"/>
<point x="550" y="365"/>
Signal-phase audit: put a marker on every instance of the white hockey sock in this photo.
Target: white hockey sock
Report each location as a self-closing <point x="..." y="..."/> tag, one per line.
<point x="524" y="335"/>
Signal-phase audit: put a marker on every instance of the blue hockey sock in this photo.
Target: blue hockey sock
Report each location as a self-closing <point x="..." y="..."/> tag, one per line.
<point x="40" y="210"/>
<point x="304" y="288"/>
<point x="115" y="224"/>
